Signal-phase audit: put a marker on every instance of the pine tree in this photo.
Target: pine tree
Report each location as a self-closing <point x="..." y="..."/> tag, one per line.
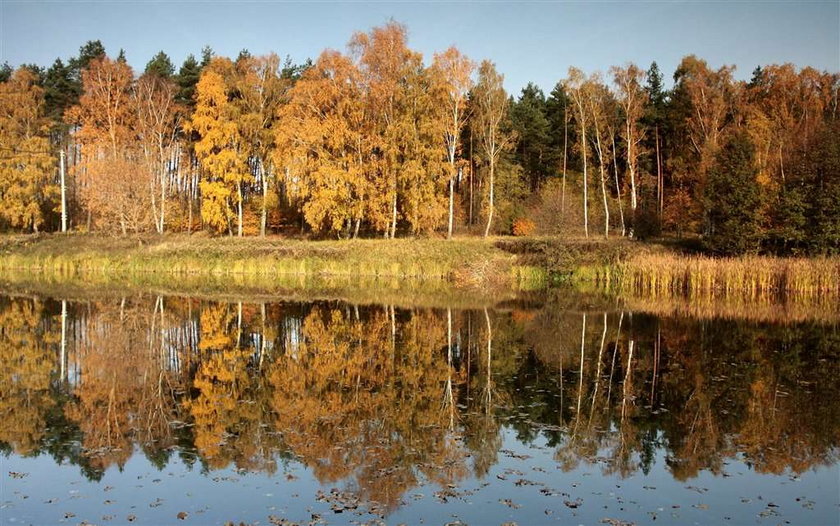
<point x="529" y="122"/>
<point x="733" y="199"/>
<point x="187" y="79"/>
<point x="161" y="66"/>
<point x="5" y="72"/>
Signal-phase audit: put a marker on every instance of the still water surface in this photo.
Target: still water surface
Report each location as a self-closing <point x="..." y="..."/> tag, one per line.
<point x="163" y="410"/>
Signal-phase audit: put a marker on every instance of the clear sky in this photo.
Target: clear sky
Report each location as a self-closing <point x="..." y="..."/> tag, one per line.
<point x="529" y="41"/>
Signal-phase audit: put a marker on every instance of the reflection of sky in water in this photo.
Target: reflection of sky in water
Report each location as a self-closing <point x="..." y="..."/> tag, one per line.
<point x="226" y="495"/>
<point x="578" y="416"/>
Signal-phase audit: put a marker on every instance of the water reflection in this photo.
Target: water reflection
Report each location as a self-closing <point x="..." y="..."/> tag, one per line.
<point x="381" y="399"/>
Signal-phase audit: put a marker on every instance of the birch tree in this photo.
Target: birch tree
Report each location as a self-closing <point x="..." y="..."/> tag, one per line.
<point x="452" y="72"/>
<point x="598" y="100"/>
<point x="575" y="86"/>
<point x="491" y="110"/>
<point x="261" y="90"/>
<point x="158" y="122"/>
<point x="633" y="100"/>
<point x="220" y="148"/>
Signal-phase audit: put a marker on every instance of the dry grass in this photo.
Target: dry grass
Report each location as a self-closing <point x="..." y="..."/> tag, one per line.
<point x="749" y="277"/>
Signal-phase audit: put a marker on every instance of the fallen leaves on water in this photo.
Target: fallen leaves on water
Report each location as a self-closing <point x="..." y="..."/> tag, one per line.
<point x="509" y="503"/>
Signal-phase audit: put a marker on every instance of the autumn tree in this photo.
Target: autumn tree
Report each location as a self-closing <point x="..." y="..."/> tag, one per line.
<point x="633" y="99"/>
<point x="600" y="105"/>
<point x="575" y="86"/>
<point x="406" y="129"/>
<point x="705" y="99"/>
<point x="491" y="111"/>
<point x="323" y="137"/>
<point x="451" y="72"/>
<point x="260" y="89"/>
<point x="220" y="148"/>
<point x="108" y="175"/>
<point x="158" y="124"/>
<point x="27" y="166"/>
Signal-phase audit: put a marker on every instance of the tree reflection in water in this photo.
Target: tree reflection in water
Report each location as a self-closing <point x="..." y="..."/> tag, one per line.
<point x="383" y="399"/>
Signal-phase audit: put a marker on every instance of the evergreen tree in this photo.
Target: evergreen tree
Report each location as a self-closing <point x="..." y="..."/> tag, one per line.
<point x="161" y="65"/>
<point x="5" y="72"/>
<point x="823" y="172"/>
<point x="757" y="77"/>
<point x="244" y="55"/>
<point x="733" y="199"/>
<point x="37" y="73"/>
<point x="60" y="90"/>
<point x="207" y="55"/>
<point x="560" y="129"/>
<point x="91" y="50"/>
<point x="529" y="122"/>
<point x="293" y="72"/>
<point x="187" y="79"/>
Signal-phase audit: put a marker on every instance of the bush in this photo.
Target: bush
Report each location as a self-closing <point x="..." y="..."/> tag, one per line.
<point x="523" y="227"/>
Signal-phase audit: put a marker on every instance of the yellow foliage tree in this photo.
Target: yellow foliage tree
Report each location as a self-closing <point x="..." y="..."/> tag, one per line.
<point x="26" y="164"/>
<point x="220" y="148"/>
<point x="322" y="138"/>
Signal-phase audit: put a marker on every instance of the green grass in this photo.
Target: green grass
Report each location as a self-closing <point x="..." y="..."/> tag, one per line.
<point x="495" y="265"/>
<point x="467" y="262"/>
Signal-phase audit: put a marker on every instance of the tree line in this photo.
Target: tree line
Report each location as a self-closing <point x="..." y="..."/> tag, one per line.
<point x="375" y="141"/>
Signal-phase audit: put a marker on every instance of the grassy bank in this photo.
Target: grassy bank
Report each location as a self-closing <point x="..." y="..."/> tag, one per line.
<point x="425" y="267"/>
<point x="154" y="260"/>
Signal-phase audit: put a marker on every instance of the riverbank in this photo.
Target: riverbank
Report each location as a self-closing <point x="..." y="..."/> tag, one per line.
<point x="464" y="262"/>
<point x="428" y="266"/>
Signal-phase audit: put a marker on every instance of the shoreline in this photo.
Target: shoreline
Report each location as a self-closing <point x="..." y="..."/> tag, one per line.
<point x="488" y="267"/>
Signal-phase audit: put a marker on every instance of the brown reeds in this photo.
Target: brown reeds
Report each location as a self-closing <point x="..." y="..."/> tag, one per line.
<point x="748" y="277"/>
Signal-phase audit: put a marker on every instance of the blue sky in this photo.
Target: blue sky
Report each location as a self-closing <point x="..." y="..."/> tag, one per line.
<point x="529" y="41"/>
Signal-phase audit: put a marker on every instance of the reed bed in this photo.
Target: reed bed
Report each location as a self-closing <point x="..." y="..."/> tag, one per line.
<point x="748" y="277"/>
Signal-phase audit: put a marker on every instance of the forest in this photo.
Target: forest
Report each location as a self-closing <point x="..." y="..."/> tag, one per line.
<point x="378" y="141"/>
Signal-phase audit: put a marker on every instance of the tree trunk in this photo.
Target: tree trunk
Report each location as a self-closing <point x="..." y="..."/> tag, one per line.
<point x="618" y="188"/>
<point x="660" y="180"/>
<point x="492" y="184"/>
<point x="565" y="144"/>
<point x="451" y="205"/>
<point x="471" y="177"/>
<point x="63" y="193"/>
<point x="606" y="204"/>
<point x="239" y="208"/>
<point x="394" y="214"/>
<point x="631" y="167"/>
<point x="585" y="184"/>
<point x="153" y="193"/>
<point x="162" y="201"/>
<point x="264" y="217"/>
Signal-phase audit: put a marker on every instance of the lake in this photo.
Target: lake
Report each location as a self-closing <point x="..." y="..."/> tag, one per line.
<point x="554" y="408"/>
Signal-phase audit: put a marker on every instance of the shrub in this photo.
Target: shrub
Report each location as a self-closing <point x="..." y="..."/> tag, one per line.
<point x="523" y="227"/>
